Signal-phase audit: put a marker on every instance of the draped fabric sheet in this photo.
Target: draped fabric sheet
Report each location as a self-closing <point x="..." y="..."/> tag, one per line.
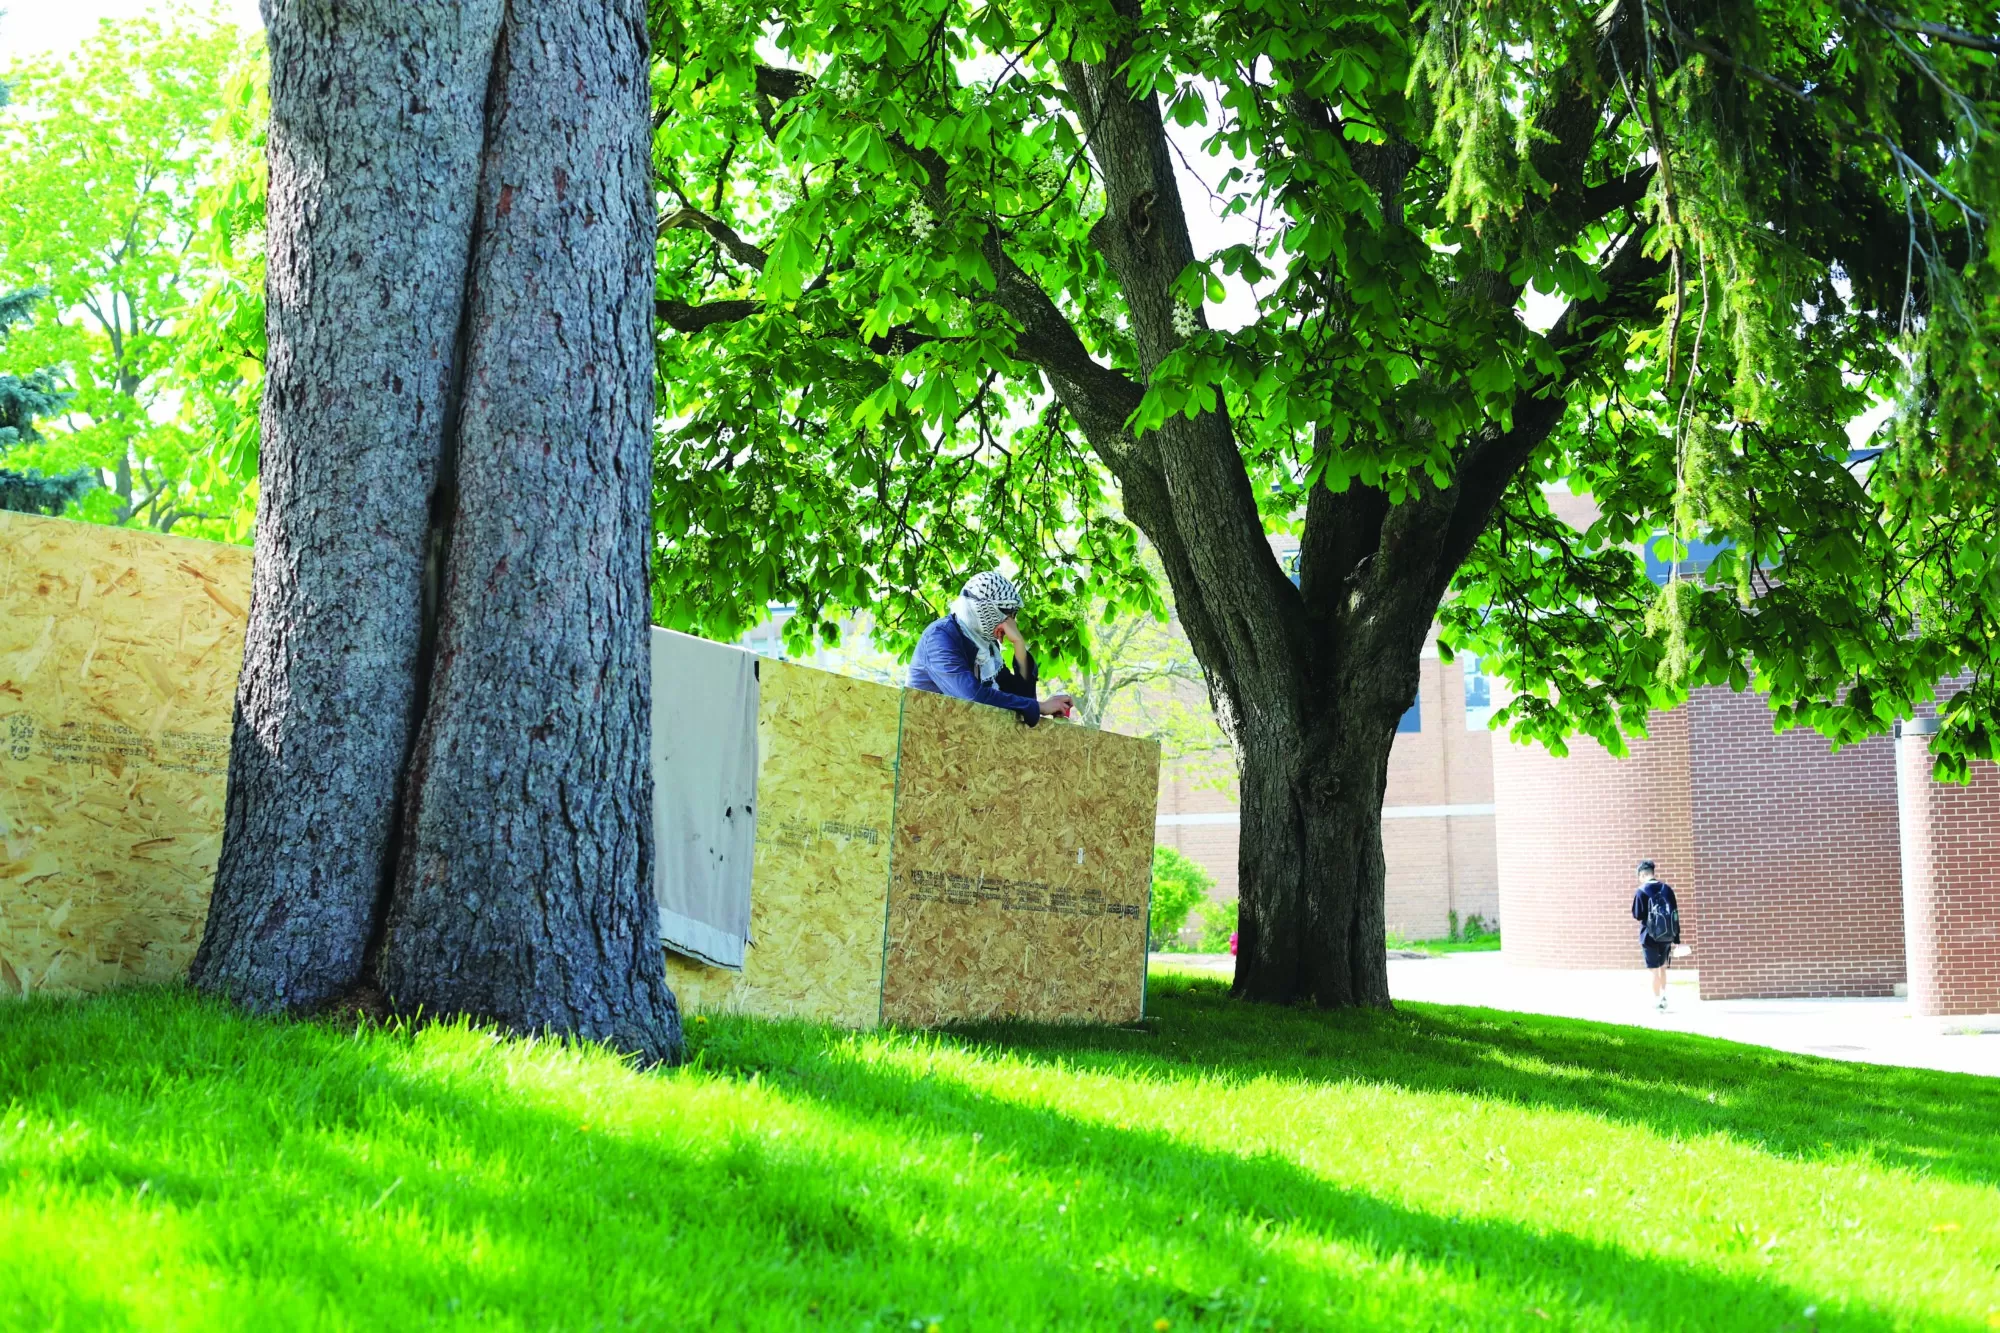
<point x="704" y="795"/>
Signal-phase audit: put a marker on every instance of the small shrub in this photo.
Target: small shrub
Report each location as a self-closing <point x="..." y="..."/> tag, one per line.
<point x="1218" y="923"/>
<point x="1476" y="928"/>
<point x="1179" y="886"/>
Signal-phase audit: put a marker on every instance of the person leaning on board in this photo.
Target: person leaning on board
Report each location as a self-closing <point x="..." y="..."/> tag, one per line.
<point x="966" y="653"/>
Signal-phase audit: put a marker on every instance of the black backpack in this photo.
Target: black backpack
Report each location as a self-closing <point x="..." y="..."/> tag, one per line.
<point x="1662" y="922"/>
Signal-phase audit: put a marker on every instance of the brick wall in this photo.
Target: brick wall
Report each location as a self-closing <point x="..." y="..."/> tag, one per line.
<point x="1568" y="833"/>
<point x="1797" y="861"/>
<point x="1951" y="883"/>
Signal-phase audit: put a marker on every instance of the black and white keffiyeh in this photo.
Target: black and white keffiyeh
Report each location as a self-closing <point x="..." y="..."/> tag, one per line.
<point x="988" y="598"/>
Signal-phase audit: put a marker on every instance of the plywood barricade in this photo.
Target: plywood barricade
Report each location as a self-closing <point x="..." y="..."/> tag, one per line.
<point x="826" y="796"/>
<point x="923" y="860"/>
<point x="1023" y="866"/>
<point x="918" y="859"/>
<point x="119" y="652"/>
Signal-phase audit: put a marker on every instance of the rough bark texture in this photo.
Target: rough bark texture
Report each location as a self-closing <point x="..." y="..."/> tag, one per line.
<point x="524" y="891"/>
<point x="374" y="157"/>
<point x="1312" y="838"/>
<point x="453" y="528"/>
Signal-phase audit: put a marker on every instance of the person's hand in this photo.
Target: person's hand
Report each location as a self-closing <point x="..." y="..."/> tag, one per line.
<point x="1011" y="632"/>
<point x="1057" y="705"/>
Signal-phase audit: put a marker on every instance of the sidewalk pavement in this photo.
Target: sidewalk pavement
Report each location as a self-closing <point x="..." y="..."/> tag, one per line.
<point x="1872" y="1031"/>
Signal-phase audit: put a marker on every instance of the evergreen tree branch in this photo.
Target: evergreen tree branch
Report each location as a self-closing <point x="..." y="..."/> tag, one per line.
<point x="1838" y="126"/>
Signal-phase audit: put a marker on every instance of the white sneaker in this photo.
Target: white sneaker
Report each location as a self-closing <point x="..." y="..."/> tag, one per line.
<point x="1663" y="1004"/>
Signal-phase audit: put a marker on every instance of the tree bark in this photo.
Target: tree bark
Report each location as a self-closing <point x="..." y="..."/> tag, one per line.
<point x="374" y="151"/>
<point x="439" y="777"/>
<point x="1310" y="924"/>
<point x="524" y="891"/>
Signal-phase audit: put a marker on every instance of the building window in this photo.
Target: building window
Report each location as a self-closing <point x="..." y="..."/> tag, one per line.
<point x="1414" y="719"/>
<point x="1478" y="693"/>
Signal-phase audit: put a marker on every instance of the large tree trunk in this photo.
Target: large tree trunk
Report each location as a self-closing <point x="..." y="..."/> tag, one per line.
<point x="1310" y="866"/>
<point x="1307" y="689"/>
<point x="374" y="152"/>
<point x="453" y="527"/>
<point x="524" y="891"/>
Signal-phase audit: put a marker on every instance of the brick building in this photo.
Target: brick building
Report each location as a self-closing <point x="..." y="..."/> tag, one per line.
<point x="1437" y="816"/>
<point x="1568" y="833"/>
<point x="1951" y="881"/>
<point x="1784" y="854"/>
<point x="1798" y="868"/>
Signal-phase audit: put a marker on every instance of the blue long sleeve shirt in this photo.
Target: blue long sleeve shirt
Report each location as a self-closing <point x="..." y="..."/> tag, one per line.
<point x="943" y="664"/>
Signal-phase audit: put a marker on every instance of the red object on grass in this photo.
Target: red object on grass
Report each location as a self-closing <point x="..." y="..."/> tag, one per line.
<point x="1232" y="944"/>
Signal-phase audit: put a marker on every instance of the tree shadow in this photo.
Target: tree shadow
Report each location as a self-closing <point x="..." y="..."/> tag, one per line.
<point x="1526" y="1274"/>
<point x="326" y="1176"/>
<point x="1674" y="1084"/>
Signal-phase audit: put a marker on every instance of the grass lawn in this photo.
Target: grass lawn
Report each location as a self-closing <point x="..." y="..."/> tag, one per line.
<point x="165" y="1163"/>
<point x="1488" y="943"/>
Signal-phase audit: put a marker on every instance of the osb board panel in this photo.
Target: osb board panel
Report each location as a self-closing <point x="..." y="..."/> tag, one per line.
<point x="1022" y="871"/>
<point x="826" y="790"/>
<point x="119" y="652"/>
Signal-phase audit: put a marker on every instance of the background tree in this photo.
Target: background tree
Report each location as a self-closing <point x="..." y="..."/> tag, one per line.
<point x="106" y="152"/>
<point x="1179" y="886"/>
<point x="23" y="400"/>
<point x="934" y="279"/>
<point x="439" y="781"/>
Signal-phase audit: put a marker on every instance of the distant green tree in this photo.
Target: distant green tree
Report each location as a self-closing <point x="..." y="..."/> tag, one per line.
<point x="23" y="399"/>
<point x="109" y="153"/>
<point x="1179" y="886"/>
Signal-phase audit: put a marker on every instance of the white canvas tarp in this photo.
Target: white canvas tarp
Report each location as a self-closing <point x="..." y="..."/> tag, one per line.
<point x="704" y="794"/>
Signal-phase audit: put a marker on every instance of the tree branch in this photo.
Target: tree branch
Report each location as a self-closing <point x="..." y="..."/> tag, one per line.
<point x="1208" y="529"/>
<point x="1607" y="197"/>
<point x="693" y="219"/>
<point x="1491" y="465"/>
<point x="1841" y="128"/>
<point x="781" y="85"/>
<point x="1937" y="31"/>
<point x="685" y="318"/>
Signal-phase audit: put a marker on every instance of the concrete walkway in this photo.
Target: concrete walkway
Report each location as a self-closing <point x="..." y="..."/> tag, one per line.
<point x="1875" y="1031"/>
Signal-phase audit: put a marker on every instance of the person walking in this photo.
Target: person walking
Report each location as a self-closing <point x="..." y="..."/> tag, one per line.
<point x="1659" y="918"/>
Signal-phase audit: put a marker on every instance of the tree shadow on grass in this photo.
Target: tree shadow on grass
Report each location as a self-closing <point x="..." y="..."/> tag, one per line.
<point x="319" y="1179"/>
<point x="1521" y="1274"/>
<point x="1671" y="1083"/>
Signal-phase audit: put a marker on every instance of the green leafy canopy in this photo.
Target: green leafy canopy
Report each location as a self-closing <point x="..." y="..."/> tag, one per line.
<point x="884" y="278"/>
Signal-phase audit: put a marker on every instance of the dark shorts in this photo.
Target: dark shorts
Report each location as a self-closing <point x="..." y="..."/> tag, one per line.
<point x="1656" y="954"/>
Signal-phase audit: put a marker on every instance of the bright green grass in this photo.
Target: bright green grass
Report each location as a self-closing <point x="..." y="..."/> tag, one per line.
<point x="1479" y="944"/>
<point x="165" y="1163"/>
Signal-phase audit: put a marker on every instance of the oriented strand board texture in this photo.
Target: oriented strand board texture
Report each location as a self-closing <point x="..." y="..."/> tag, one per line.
<point x="1023" y="868"/>
<point x="826" y="791"/>
<point x="119" y="652"/>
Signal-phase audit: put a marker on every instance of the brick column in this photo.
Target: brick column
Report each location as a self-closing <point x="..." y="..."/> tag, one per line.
<point x="1568" y="833"/>
<point x="1951" y="880"/>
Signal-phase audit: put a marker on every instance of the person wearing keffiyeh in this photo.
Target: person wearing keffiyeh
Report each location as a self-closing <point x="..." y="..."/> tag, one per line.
<point x="966" y="654"/>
